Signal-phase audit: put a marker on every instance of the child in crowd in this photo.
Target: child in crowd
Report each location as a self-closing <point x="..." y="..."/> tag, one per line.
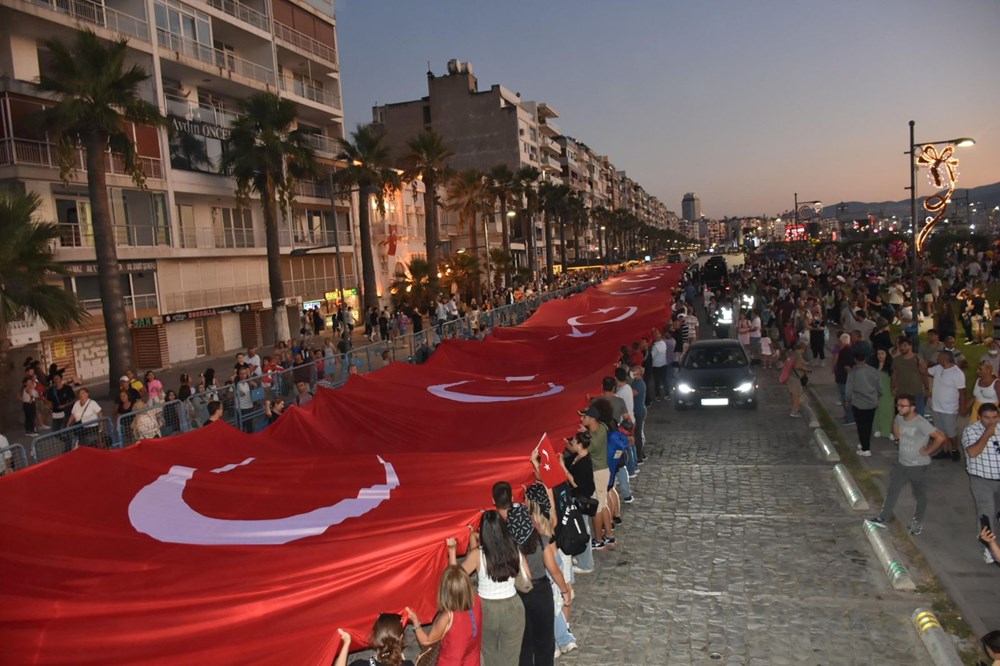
<point x="766" y="350"/>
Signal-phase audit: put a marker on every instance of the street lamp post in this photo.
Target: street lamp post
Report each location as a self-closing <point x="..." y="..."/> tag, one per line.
<point x="915" y="226"/>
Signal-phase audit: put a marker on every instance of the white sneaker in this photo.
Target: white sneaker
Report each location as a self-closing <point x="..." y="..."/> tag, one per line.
<point x="865" y="454"/>
<point x="557" y="654"/>
<point x="569" y="647"/>
<point x="987" y="556"/>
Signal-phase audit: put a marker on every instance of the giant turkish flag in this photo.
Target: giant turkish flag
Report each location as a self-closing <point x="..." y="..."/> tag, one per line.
<point x="217" y="547"/>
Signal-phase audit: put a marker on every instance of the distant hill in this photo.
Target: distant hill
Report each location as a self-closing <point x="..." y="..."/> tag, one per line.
<point x="982" y="198"/>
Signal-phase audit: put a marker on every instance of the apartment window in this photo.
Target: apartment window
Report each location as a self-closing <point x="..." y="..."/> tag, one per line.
<point x="427" y="115"/>
<point x="233" y="227"/>
<point x="183" y="24"/>
<point x="533" y="134"/>
<point x="189" y="230"/>
<point x="140" y="217"/>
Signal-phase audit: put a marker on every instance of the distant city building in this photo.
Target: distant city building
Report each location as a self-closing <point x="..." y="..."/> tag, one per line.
<point x="486" y="128"/>
<point x="691" y="207"/>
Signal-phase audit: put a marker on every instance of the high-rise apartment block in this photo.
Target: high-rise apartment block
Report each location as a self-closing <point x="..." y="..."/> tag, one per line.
<point x="485" y="128"/>
<point x="691" y="207"/>
<point x="192" y="260"/>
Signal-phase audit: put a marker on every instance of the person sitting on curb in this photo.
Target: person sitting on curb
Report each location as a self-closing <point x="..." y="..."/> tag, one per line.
<point x="912" y="431"/>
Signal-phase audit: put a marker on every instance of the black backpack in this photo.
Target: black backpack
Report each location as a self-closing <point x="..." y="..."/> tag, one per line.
<point x="571" y="531"/>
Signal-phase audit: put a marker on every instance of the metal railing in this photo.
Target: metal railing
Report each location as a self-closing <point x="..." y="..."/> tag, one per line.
<point x="177" y="106"/>
<point x="243" y="12"/>
<point x="210" y="55"/>
<point x="139" y="302"/>
<point x="323" y="144"/>
<point x="97" y="14"/>
<point x="309" y="91"/>
<point x="207" y="298"/>
<point x="244" y="402"/>
<point x="305" y="42"/>
<point x="98" y="434"/>
<point x="43" y="153"/>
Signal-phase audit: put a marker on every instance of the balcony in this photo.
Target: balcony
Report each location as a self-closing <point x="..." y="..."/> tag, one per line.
<point x="225" y="60"/>
<point x="549" y="129"/>
<point x="551" y="147"/>
<point x="316" y="287"/>
<point x="550" y="163"/>
<point x="306" y="90"/>
<point x="126" y="235"/>
<point x="243" y="12"/>
<point x="305" y="42"/>
<point x="99" y="15"/>
<point x="308" y="238"/>
<point x="133" y="303"/>
<point x="177" y="106"/>
<point x="208" y="298"/>
<point x="325" y="145"/>
<point x="44" y="154"/>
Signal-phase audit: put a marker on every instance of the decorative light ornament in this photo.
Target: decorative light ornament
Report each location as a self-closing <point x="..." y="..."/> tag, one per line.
<point x="942" y="171"/>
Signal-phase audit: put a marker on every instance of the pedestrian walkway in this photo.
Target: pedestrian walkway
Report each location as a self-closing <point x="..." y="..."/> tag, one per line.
<point x="948" y="541"/>
<point x="740" y="549"/>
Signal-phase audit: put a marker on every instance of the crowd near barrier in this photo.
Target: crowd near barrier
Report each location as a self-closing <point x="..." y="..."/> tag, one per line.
<point x="244" y="403"/>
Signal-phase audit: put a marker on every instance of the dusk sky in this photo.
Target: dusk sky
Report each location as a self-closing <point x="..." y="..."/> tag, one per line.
<point x="743" y="101"/>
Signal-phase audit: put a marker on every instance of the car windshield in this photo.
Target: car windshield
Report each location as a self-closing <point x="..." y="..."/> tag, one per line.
<point x="713" y="359"/>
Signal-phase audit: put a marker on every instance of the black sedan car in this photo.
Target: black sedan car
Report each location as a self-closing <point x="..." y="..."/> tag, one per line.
<point x="715" y="373"/>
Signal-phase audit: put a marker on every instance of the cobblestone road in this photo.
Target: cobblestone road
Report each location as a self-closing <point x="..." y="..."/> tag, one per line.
<point x="740" y="549"/>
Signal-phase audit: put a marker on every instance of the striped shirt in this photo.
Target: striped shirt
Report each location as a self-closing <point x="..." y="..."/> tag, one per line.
<point x="987" y="464"/>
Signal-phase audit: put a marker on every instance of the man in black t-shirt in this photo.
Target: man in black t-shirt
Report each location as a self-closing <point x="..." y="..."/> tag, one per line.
<point x="61" y="397"/>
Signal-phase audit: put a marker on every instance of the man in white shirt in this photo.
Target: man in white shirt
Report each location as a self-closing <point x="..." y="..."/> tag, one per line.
<point x="947" y="397"/>
<point x="982" y="452"/>
<point x="658" y="353"/>
<point x="253" y="360"/>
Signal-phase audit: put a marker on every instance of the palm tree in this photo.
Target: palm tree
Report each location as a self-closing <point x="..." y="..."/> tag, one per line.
<point x="466" y="193"/>
<point x="27" y="265"/>
<point x="417" y="286"/>
<point x="576" y="215"/>
<point x="97" y="95"/>
<point x="555" y="203"/>
<point x="267" y="157"/>
<point x="527" y="188"/>
<point x="503" y="188"/>
<point x="503" y="265"/>
<point x="367" y="157"/>
<point x="463" y="271"/>
<point x="426" y="160"/>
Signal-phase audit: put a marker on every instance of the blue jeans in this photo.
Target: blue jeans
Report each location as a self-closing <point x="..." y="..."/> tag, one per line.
<point x="631" y="462"/>
<point x="563" y="636"/>
<point x="848" y="415"/>
<point x="584" y="560"/>
<point x="624" y="487"/>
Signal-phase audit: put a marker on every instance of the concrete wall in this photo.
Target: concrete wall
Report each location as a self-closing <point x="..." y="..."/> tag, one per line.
<point x="232" y="337"/>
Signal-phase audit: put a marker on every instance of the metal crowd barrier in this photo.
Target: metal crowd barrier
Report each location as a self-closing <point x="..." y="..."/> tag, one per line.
<point x="243" y="403"/>
<point x="98" y="434"/>
<point x="13" y="458"/>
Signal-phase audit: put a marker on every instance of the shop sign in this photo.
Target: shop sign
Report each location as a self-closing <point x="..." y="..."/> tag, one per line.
<point x="78" y="269"/>
<point x="144" y="322"/>
<point x="206" y="312"/>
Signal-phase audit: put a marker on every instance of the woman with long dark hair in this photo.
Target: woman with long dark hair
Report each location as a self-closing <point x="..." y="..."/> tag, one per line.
<point x="497" y="561"/>
<point x="386" y="640"/>
<point x="539" y="644"/>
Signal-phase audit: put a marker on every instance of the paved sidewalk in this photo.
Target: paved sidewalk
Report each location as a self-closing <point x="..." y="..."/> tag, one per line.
<point x="948" y="542"/>
<point x="740" y="549"/>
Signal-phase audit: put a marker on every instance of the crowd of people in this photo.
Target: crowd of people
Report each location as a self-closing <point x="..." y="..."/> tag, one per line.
<point x="854" y="310"/>
<point x="525" y="553"/>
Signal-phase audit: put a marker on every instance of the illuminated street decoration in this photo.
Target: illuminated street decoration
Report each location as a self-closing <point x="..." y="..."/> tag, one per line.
<point x="942" y="171"/>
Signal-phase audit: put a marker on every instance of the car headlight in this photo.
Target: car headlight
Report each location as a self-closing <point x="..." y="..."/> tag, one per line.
<point x="685" y="388"/>
<point x="745" y="387"/>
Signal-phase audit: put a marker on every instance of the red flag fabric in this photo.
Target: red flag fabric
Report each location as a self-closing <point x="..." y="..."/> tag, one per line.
<point x="549" y="469"/>
<point x="219" y="547"/>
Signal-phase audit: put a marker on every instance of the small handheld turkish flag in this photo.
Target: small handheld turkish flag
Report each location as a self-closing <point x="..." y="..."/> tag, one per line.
<point x="548" y="463"/>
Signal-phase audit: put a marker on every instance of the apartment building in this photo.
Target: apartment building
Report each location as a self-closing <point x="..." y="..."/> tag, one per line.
<point x="192" y="260"/>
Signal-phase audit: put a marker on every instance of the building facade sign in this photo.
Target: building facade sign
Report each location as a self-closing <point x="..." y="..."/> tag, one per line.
<point x="79" y="268"/>
<point x="205" y="312"/>
<point x="196" y="145"/>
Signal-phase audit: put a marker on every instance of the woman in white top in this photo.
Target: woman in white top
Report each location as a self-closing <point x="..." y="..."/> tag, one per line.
<point x="497" y="561"/>
<point x="984" y="389"/>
